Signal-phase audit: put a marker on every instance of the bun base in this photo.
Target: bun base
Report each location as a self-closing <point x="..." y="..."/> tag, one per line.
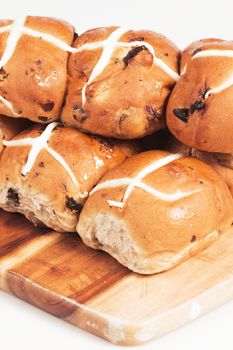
<point x="109" y="233"/>
<point x="37" y="209"/>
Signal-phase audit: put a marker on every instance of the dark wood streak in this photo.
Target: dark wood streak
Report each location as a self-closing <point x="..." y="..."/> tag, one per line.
<point x="101" y="284"/>
<point x="42" y="298"/>
<point x="15" y="230"/>
<point x="60" y="276"/>
<point x="64" y="275"/>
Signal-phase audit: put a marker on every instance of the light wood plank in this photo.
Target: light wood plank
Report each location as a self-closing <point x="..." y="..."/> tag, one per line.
<point x="88" y="288"/>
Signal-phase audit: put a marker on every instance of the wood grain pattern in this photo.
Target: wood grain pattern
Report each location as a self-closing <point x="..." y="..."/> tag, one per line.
<point x="88" y="288"/>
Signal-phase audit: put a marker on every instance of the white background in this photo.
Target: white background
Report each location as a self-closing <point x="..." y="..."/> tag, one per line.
<point x="23" y="326"/>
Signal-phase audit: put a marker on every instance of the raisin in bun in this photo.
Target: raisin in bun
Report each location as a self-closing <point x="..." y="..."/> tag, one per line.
<point x="155" y="210"/>
<point x="46" y="173"/>
<point x="10" y="127"/>
<point x="33" y="67"/>
<point x="119" y="80"/>
<point x="200" y="107"/>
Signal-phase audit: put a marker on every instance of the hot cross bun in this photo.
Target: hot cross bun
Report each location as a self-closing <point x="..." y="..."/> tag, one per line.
<point x="155" y="210"/>
<point x="200" y="108"/>
<point x="46" y="172"/>
<point x="118" y="82"/>
<point x="33" y="67"/>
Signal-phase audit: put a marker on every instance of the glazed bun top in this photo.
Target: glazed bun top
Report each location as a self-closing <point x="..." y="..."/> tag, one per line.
<point x="221" y="162"/>
<point x="58" y="164"/>
<point x="200" y="107"/>
<point x="55" y="159"/>
<point x="47" y="171"/>
<point x="166" y="200"/>
<point x="119" y="80"/>
<point x="33" y="67"/>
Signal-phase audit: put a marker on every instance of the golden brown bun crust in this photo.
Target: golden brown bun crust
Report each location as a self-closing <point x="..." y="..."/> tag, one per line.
<point x="155" y="226"/>
<point x="88" y="157"/>
<point x="209" y="122"/>
<point x="127" y="99"/>
<point x="221" y="162"/>
<point x="34" y="79"/>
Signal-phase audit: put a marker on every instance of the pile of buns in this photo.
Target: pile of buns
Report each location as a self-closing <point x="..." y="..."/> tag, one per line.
<point x="85" y="145"/>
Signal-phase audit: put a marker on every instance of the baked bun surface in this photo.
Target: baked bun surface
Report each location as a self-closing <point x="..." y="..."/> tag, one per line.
<point x="200" y="107"/>
<point x="119" y="80"/>
<point x="46" y="173"/>
<point x="221" y="162"/>
<point x="155" y="210"/>
<point x="33" y="67"/>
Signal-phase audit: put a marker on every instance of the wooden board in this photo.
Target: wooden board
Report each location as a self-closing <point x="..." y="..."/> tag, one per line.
<point x="88" y="288"/>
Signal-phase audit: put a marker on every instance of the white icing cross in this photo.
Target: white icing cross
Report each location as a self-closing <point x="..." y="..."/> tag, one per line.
<point x="109" y="46"/>
<point x="12" y="40"/>
<point x="214" y="53"/>
<point x="37" y="144"/>
<point x="17" y="28"/>
<point x="136" y="182"/>
<point x="8" y="105"/>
